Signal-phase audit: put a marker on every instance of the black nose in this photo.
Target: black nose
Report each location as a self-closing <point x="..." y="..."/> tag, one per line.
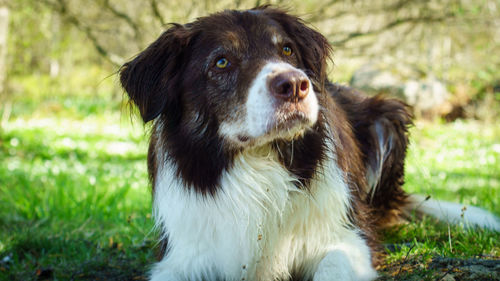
<point x="289" y="86"/>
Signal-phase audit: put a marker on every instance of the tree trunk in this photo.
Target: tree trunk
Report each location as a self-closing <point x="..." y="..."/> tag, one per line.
<point x="4" y="23"/>
<point x="6" y="105"/>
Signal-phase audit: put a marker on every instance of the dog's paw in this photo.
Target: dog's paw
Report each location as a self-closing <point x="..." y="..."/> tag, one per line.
<point x="338" y="266"/>
<point x="163" y="272"/>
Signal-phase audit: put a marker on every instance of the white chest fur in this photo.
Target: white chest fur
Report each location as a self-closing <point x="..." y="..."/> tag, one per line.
<point x="259" y="225"/>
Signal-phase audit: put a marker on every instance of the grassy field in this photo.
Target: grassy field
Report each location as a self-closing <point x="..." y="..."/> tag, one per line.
<point x="75" y="201"/>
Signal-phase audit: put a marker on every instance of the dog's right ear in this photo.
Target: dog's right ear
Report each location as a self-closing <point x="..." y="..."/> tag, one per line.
<point x="150" y="79"/>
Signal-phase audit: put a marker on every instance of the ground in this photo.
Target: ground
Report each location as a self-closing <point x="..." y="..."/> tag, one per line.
<point x="439" y="268"/>
<point x="75" y="201"/>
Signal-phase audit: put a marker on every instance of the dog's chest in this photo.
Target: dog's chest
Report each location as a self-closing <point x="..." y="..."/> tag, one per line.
<point x="259" y="225"/>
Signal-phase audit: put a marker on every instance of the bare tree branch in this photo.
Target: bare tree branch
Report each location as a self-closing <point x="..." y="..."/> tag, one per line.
<point x="156" y="12"/>
<point x="61" y="7"/>
<point x="122" y="16"/>
<point x="389" y="26"/>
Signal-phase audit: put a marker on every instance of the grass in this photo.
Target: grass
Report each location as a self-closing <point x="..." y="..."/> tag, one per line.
<point x="75" y="202"/>
<point x="458" y="162"/>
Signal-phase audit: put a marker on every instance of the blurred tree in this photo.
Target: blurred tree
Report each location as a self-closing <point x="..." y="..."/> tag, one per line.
<point x="118" y="27"/>
<point x="432" y="35"/>
<point x="4" y="23"/>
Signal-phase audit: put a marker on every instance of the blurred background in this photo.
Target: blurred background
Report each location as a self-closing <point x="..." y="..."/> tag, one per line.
<point x="441" y="56"/>
<point x="73" y="183"/>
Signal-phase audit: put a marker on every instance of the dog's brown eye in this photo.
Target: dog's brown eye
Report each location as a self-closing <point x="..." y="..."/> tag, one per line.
<point x="222" y="63"/>
<point x="287" y="51"/>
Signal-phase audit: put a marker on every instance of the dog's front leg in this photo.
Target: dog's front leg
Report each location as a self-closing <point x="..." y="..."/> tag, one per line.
<point x="349" y="260"/>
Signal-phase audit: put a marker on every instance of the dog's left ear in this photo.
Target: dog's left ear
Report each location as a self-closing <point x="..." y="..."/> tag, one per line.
<point x="313" y="47"/>
<point x="150" y="79"/>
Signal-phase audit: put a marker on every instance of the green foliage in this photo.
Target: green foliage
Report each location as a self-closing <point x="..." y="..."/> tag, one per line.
<point x="89" y="90"/>
<point x="38" y="37"/>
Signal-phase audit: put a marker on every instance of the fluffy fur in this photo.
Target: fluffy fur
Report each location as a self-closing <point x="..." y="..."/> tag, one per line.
<point x="262" y="169"/>
<point x="260" y="226"/>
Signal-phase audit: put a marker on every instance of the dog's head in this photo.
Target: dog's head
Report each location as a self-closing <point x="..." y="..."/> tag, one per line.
<point x="247" y="77"/>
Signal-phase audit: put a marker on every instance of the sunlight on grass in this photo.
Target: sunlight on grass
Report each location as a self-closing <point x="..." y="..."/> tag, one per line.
<point x="69" y="186"/>
<point x="456" y="162"/>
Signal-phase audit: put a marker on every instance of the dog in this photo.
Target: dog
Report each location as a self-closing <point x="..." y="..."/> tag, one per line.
<point x="261" y="168"/>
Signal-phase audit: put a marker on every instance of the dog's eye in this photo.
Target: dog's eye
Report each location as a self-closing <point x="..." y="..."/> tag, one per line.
<point x="222" y="63"/>
<point x="287" y="51"/>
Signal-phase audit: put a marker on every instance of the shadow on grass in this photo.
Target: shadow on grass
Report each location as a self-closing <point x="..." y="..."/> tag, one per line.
<point x="37" y="257"/>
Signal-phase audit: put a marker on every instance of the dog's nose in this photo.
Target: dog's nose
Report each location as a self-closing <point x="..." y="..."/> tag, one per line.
<point x="289" y="86"/>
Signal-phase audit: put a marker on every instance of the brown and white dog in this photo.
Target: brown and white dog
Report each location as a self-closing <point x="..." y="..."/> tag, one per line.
<point x="261" y="168"/>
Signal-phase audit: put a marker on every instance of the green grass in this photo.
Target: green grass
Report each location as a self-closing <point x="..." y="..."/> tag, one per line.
<point x="457" y="162"/>
<point x="74" y="196"/>
<point x="75" y="202"/>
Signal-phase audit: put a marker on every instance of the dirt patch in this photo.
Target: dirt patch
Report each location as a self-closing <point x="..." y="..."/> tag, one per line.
<point x="442" y="268"/>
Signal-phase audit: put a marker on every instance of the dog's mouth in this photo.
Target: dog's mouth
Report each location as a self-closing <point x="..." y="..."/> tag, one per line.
<point x="290" y="117"/>
<point x="289" y="121"/>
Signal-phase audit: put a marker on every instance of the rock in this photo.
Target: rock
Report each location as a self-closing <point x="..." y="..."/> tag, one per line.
<point x="428" y="96"/>
<point x="374" y="80"/>
<point x="425" y="94"/>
